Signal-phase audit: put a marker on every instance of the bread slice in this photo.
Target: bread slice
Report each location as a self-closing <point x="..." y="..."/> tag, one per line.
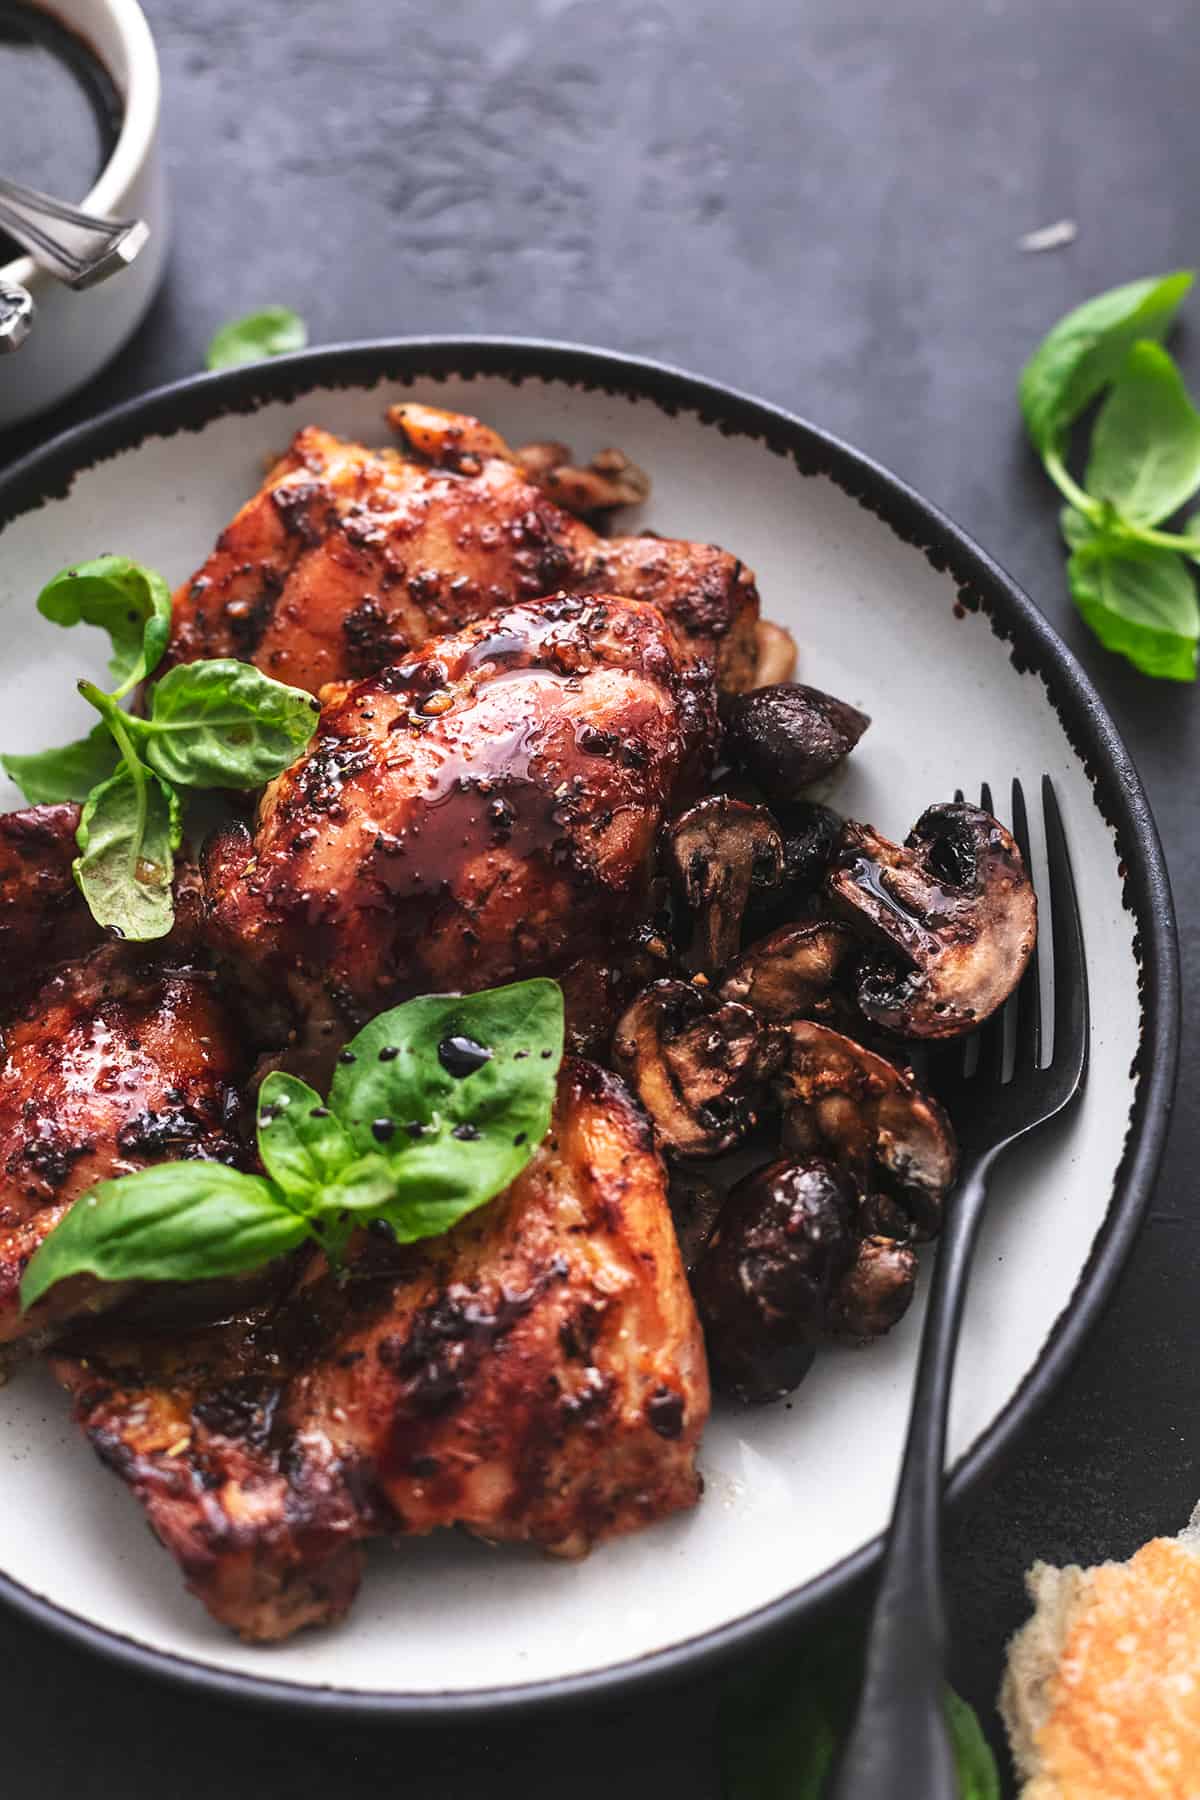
<point x="1101" y="1696"/>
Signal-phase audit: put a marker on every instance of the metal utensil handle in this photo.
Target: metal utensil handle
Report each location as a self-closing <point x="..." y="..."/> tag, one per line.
<point x="899" y="1746"/>
<point x="77" y="247"/>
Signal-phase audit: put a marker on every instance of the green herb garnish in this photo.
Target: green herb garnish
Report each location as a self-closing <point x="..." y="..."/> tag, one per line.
<point x="404" y="1136"/>
<point x="269" y="332"/>
<point x="780" y="1735"/>
<point x="213" y="724"/>
<point x="1128" y="578"/>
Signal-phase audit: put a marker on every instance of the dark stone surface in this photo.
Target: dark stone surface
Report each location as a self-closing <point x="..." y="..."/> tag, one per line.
<point x="820" y="203"/>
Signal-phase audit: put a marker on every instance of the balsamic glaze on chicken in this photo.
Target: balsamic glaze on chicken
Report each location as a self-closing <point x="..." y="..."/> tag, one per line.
<point x="537" y="1376"/>
<point x="118" y="1061"/>
<point x="487" y="808"/>
<point x="348" y="558"/>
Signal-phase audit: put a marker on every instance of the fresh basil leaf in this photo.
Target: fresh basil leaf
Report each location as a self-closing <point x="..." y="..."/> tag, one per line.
<point x="223" y="723"/>
<point x="128" y="832"/>
<point x="1083" y="352"/>
<point x="303" y="1146"/>
<point x="780" y="1734"/>
<point x="1140" y="602"/>
<point x="1145" y="455"/>
<point x="269" y="332"/>
<point x="130" y="602"/>
<point x="185" y="1221"/>
<point x="47" y="777"/>
<point x="364" y="1185"/>
<point x="452" y="1140"/>
<point x="978" y="1777"/>
<point x="1076" y="530"/>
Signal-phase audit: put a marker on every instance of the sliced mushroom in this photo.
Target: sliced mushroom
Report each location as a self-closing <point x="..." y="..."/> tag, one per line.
<point x="875" y="1292"/>
<point x="810" y="835"/>
<point x="609" y="480"/>
<point x="784" y="1239"/>
<point x="776" y="654"/>
<point x="697" y="1066"/>
<point x="718" y="852"/>
<point x="842" y="1101"/>
<point x="787" y="736"/>
<point x="785" y="975"/>
<point x="954" y="910"/>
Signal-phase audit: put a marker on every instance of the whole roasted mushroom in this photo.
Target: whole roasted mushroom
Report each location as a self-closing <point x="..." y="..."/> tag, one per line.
<point x="718" y="852"/>
<point x="695" y="1206"/>
<point x="874" y="1293"/>
<point x="783" y="1240"/>
<point x="788" y="736"/>
<point x="954" y="913"/>
<point x="697" y="1065"/>
<point x="842" y="1101"/>
<point x="789" y="973"/>
<point x="810" y="834"/>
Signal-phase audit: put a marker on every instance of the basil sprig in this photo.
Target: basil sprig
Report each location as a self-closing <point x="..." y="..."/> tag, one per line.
<point x="130" y="602"/>
<point x="219" y="723"/>
<point x="436" y="1106"/>
<point x="1128" y="577"/>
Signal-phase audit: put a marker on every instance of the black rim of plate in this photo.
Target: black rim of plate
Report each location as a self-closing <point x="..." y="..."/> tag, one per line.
<point x="982" y="585"/>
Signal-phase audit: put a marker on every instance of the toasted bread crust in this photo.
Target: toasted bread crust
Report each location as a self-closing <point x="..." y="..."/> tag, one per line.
<point x="1101" y="1698"/>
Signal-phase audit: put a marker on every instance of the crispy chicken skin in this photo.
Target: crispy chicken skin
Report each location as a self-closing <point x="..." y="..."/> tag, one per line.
<point x="116" y="1063"/>
<point x="537" y="1376"/>
<point x="347" y="558"/>
<point x="486" y="809"/>
<point x="43" y="916"/>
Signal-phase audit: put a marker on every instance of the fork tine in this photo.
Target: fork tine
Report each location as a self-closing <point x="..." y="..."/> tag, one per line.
<point x="959" y="796"/>
<point x="1000" y="1033"/>
<point x="1029" y="993"/>
<point x="990" y="1066"/>
<point x="1069" y="1059"/>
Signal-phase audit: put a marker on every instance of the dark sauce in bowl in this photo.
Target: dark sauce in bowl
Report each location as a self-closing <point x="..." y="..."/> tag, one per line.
<point x="60" y="112"/>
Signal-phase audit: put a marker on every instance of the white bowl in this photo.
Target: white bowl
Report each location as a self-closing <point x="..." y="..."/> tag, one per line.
<point x="898" y="612"/>
<point x="75" y="335"/>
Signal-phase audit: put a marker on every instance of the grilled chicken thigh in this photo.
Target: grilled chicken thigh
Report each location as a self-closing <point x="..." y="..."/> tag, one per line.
<point x="538" y="1375"/>
<point x="43" y="916"/>
<point x="116" y="1063"/>
<point x="483" y="810"/>
<point x="347" y="558"/>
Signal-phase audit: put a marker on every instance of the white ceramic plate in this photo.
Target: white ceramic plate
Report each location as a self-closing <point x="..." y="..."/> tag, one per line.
<point x="895" y="611"/>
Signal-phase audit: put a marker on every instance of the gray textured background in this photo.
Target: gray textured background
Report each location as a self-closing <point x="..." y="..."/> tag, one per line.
<point x="819" y="202"/>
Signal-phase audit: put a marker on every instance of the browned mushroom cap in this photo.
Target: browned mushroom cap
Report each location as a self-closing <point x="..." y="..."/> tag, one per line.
<point x="787" y="736"/>
<point x="874" y="1293"/>
<point x="811" y="834"/>
<point x="698" y="1067"/>
<point x="609" y="480"/>
<point x="842" y="1101"/>
<point x="776" y="654"/>
<point x="718" y="851"/>
<point x="695" y="1205"/>
<point x="784" y="1238"/>
<point x="784" y="976"/>
<point x="955" y="910"/>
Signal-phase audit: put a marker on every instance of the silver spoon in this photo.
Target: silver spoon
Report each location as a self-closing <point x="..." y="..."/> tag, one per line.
<point x="16" y="315"/>
<point x="76" y="247"/>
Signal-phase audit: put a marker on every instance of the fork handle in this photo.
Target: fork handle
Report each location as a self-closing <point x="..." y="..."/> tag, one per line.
<point x="899" y="1745"/>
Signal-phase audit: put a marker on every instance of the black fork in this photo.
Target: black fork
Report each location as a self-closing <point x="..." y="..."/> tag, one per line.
<point x="899" y="1748"/>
